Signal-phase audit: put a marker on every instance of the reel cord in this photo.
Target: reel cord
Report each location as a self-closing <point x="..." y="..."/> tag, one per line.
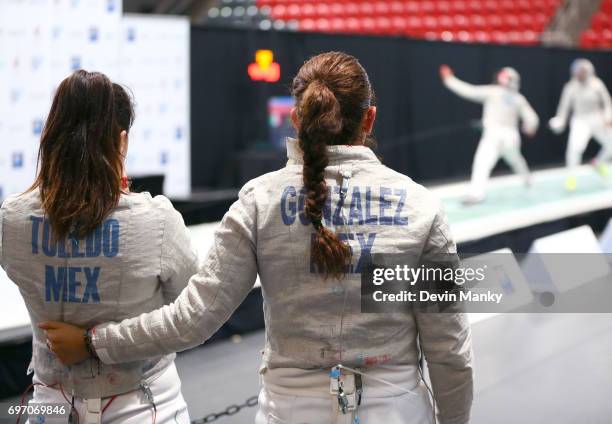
<point x="71" y="402"/>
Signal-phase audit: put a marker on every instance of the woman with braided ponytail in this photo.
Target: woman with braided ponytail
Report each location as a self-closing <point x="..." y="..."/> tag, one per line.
<point x="310" y="230"/>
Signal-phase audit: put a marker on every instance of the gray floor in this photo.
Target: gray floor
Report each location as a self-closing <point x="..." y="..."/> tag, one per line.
<point x="530" y="368"/>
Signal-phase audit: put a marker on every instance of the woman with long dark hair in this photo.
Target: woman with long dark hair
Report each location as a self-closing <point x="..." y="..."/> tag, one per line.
<point x="83" y="249"/>
<point x="310" y="230"/>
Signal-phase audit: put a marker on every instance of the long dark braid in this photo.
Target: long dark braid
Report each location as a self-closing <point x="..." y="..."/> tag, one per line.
<point x="331" y="90"/>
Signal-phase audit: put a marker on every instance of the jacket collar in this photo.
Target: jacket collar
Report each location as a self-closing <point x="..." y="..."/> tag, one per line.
<point x="337" y="154"/>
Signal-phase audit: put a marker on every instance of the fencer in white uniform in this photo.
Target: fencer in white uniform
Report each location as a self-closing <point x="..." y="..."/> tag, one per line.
<point x="504" y="107"/>
<point x="333" y="188"/>
<point x="137" y="259"/>
<point x="586" y="97"/>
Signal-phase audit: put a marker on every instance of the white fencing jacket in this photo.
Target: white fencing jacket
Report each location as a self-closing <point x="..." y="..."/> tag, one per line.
<point x="502" y="106"/>
<point x="139" y="259"/>
<point x="589" y="100"/>
<point x="309" y="324"/>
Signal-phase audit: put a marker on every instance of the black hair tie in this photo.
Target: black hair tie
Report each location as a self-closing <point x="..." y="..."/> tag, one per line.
<point x="317" y="223"/>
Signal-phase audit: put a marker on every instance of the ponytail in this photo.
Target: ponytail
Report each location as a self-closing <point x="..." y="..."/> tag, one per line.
<point x="320" y="120"/>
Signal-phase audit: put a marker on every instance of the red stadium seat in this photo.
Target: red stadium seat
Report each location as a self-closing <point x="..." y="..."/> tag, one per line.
<point x="338" y="24"/>
<point x="477" y="23"/>
<point x="427" y="7"/>
<point x="443" y="7"/>
<point x="415" y="26"/>
<point x="396" y="8"/>
<point x="399" y="24"/>
<point x="366" y="9"/>
<point x="432" y="35"/>
<point x="382" y="8"/>
<point x="308" y="10"/>
<point x="322" y="25"/>
<point x="279" y="11"/>
<point x="294" y="11"/>
<point x="587" y="39"/>
<point x="606" y="38"/>
<point x="601" y="21"/>
<point x="383" y="25"/>
<point x="499" y="21"/>
<point x="368" y="25"/>
<point x="412" y="8"/>
<point x="507" y="6"/>
<point x="353" y="25"/>
<point x="460" y="22"/>
<point x="464" y="36"/>
<point x="322" y="10"/>
<point x="446" y="23"/>
<point x="459" y="6"/>
<point x="482" y="37"/>
<point x="510" y="22"/>
<point x="499" y="37"/>
<point x="475" y="6"/>
<point x="337" y="10"/>
<point x="430" y="23"/>
<point x="494" y="22"/>
<point x="307" y="25"/>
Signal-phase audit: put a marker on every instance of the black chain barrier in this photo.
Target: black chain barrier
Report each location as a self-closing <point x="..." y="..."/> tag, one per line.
<point x="228" y="412"/>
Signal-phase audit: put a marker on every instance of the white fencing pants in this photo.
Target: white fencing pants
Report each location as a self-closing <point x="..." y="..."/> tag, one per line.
<point x="581" y="131"/>
<point x="496" y="143"/>
<point x="127" y="408"/>
<point x="292" y="396"/>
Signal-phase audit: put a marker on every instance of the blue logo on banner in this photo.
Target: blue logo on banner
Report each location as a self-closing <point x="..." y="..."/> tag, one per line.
<point x="1" y="192"/>
<point x="37" y="125"/>
<point x="93" y="34"/>
<point x="15" y="95"/>
<point x="75" y="63"/>
<point x="36" y="62"/>
<point x="147" y="133"/>
<point x="179" y="133"/>
<point x="17" y="160"/>
<point x="110" y="6"/>
<point x="131" y="35"/>
<point x="163" y="159"/>
<point x="56" y="31"/>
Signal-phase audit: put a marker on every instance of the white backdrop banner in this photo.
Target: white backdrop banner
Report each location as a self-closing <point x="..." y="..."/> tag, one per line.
<point x="154" y="64"/>
<point x="43" y="41"/>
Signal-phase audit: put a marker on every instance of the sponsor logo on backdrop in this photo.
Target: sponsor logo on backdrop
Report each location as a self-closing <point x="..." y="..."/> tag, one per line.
<point x="37" y="126"/>
<point x="17" y="160"/>
<point x="75" y="63"/>
<point x="94" y="34"/>
<point x="36" y="62"/>
<point x="82" y="35"/>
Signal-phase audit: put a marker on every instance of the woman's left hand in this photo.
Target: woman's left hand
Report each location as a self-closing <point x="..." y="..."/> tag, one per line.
<point x="67" y="341"/>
